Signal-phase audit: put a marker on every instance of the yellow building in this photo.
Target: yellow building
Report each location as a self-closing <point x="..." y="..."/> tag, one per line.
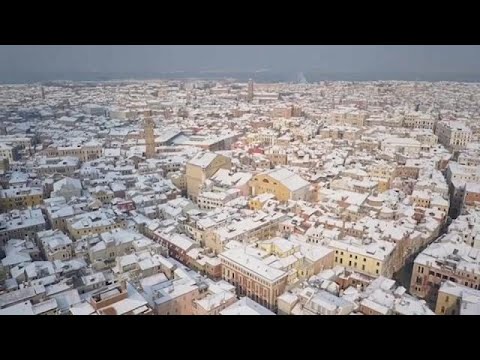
<point x="280" y="247"/>
<point x="85" y="152"/>
<point x="374" y="259"/>
<point x="20" y="198"/>
<point x="383" y="184"/>
<point x="421" y="198"/>
<point x="427" y="200"/>
<point x="456" y="299"/>
<point x="382" y="170"/>
<point x="179" y="180"/>
<point x="282" y="183"/>
<point x="261" y="227"/>
<point x="383" y="173"/>
<point x="257" y="202"/>
<point x="348" y="116"/>
<point x="102" y="193"/>
<point x="202" y="167"/>
<point x="94" y="222"/>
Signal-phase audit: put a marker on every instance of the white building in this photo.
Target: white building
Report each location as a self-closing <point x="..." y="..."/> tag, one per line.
<point x="454" y="135"/>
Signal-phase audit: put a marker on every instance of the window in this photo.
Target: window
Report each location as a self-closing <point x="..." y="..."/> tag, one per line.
<point x="336" y="259"/>
<point x="378" y="264"/>
<point x="363" y="267"/>
<point x="442" y="310"/>
<point x="376" y="271"/>
<point x="446" y="299"/>
<point x="341" y="261"/>
<point x="350" y="263"/>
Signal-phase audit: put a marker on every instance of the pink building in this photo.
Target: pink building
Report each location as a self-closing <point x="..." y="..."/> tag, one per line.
<point x="177" y="297"/>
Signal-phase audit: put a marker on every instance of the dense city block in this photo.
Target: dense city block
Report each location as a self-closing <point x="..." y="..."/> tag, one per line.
<point x="202" y="197"/>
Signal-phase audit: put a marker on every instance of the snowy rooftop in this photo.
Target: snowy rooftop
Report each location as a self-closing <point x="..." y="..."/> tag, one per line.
<point x="17" y="219"/>
<point x="377" y="250"/>
<point x="23" y="308"/>
<point x="289" y="179"/>
<point x="456" y="256"/>
<point x="238" y="228"/>
<point x="246" y="306"/>
<point x="93" y="219"/>
<point x="225" y="177"/>
<point x="213" y="301"/>
<point x="203" y="160"/>
<point x="67" y="183"/>
<point x="457" y="290"/>
<point x="253" y="264"/>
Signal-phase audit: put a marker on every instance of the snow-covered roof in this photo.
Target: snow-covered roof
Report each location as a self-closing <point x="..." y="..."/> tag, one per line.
<point x="246" y="306"/>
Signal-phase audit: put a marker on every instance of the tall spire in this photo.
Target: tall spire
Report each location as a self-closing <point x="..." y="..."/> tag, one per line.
<point x="250" y="90"/>
<point x="149" y="138"/>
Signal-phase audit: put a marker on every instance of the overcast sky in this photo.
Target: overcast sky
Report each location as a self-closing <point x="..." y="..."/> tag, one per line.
<point x="165" y="58"/>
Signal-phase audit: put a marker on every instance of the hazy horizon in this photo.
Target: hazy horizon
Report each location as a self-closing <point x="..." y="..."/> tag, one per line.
<point x="44" y="62"/>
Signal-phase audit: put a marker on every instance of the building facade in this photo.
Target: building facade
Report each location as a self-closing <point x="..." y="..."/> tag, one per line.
<point x="282" y="183"/>
<point x="201" y="168"/>
<point x="252" y="278"/>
